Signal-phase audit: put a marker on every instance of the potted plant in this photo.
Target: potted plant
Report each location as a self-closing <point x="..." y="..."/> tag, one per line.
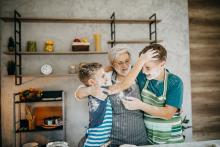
<point x="11" y="44"/>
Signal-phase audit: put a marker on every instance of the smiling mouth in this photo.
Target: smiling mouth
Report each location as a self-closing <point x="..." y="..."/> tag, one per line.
<point x="124" y="69"/>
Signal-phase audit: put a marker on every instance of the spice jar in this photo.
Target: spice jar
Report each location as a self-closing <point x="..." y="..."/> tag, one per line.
<point x="31" y="46"/>
<point x="73" y="69"/>
<point x="49" y="46"/>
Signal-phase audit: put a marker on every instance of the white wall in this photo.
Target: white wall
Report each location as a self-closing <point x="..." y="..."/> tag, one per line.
<point x="173" y="30"/>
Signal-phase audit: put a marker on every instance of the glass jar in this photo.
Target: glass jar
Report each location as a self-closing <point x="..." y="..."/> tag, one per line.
<point x="49" y="46"/>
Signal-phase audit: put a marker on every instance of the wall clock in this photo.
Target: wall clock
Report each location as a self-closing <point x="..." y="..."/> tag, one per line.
<point x="46" y="69"/>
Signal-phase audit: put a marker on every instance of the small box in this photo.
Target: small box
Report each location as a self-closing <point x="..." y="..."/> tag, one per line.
<point x="80" y="46"/>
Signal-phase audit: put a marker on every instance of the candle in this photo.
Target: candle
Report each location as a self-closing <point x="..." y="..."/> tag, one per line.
<point x="97" y="39"/>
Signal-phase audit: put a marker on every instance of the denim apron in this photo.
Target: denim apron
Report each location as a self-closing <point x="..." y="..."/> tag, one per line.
<point x="127" y="125"/>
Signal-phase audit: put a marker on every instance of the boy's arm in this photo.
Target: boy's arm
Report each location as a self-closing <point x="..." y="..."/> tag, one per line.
<point x="83" y="92"/>
<point x="128" y="81"/>
<point x="166" y="112"/>
<point x="130" y="78"/>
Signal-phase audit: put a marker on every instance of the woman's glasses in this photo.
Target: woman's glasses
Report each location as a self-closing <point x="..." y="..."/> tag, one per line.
<point x="120" y="63"/>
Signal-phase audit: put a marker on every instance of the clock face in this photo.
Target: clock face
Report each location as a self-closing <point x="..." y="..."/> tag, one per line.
<point x="46" y="69"/>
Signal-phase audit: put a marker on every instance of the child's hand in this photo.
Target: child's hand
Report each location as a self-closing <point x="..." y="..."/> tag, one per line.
<point x="131" y="103"/>
<point x="150" y="55"/>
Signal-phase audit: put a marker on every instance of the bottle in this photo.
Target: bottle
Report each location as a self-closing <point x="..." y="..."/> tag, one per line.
<point x="97" y="40"/>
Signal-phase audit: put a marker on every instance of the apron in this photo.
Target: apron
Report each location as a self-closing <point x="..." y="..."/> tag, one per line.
<point x="127" y="126"/>
<point x="161" y="131"/>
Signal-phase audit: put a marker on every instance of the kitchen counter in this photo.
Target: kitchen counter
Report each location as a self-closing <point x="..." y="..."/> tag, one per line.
<point x="209" y="143"/>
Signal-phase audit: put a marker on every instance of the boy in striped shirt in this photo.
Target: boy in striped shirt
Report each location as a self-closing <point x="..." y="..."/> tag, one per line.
<point x="100" y="110"/>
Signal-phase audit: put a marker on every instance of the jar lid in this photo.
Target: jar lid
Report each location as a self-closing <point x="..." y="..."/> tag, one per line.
<point x="50" y="42"/>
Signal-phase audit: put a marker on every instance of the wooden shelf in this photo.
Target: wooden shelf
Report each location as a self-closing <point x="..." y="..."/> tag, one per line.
<point x="40" y="129"/>
<point x="52" y="75"/>
<point x="47" y="96"/>
<point x="79" y="20"/>
<point x="40" y="75"/>
<point x="133" y="41"/>
<point x="37" y="101"/>
<point x="56" y="53"/>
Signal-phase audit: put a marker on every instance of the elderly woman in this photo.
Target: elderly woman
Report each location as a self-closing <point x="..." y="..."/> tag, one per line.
<point x="128" y="125"/>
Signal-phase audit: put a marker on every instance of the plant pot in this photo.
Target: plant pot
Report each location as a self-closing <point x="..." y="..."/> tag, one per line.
<point x="11" y="68"/>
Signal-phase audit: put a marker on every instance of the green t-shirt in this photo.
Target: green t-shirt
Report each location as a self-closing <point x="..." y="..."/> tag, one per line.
<point x="174" y="96"/>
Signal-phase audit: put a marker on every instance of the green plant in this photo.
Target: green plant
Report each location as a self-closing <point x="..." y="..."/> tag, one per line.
<point x="11" y="44"/>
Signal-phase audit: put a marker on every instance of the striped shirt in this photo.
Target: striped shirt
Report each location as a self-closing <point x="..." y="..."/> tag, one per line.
<point x="99" y="135"/>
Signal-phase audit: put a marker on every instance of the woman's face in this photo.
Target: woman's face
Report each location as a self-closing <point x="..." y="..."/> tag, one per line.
<point x="122" y="64"/>
<point x="153" y="69"/>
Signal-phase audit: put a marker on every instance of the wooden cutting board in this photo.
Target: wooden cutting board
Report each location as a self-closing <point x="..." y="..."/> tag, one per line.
<point x="43" y="112"/>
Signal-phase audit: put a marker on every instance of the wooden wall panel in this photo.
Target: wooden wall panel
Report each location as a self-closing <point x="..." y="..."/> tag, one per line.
<point x="204" y="28"/>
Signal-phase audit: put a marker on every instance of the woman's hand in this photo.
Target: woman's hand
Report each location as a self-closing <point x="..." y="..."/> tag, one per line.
<point x="132" y="103"/>
<point x="150" y="55"/>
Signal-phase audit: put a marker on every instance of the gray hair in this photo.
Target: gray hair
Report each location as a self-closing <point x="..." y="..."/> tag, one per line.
<point x="116" y="51"/>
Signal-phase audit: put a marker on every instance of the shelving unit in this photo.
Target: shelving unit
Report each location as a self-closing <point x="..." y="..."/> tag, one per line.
<point x="56" y="53"/>
<point x="79" y="20"/>
<point x="152" y="21"/>
<point x="152" y="32"/>
<point x="113" y="36"/>
<point x="133" y="41"/>
<point x="17" y="37"/>
<point x="51" y="75"/>
<point x="50" y="97"/>
<point x="39" y="129"/>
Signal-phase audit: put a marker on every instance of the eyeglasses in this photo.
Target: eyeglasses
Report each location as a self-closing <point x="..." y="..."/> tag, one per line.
<point x="120" y="63"/>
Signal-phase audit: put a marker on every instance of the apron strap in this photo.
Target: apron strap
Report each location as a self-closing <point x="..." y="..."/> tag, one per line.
<point x="146" y="84"/>
<point x="114" y="77"/>
<point x="165" y="84"/>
